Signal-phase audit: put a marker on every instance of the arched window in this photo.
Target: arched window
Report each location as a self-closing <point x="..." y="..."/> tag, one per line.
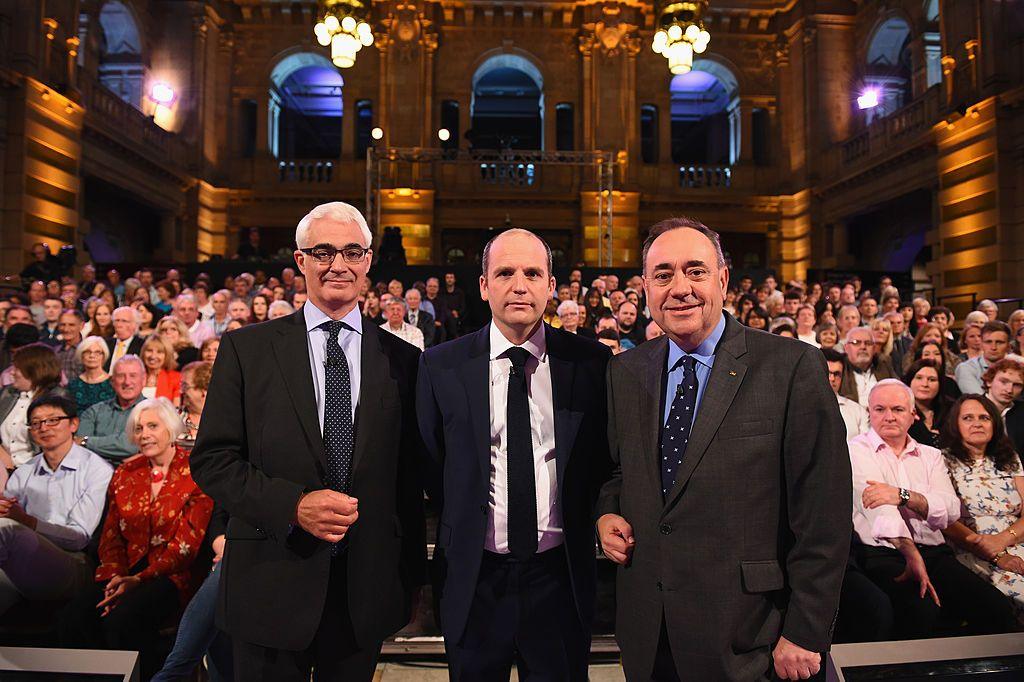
<point x="705" y="115"/>
<point x="121" y="69"/>
<point x="305" y="108"/>
<point x="507" y="105"/>
<point x="649" y="133"/>
<point x="364" y="128"/>
<point x="565" y="127"/>
<point x="887" y="81"/>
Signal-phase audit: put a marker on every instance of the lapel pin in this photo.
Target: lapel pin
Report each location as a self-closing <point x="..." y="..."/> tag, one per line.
<point x="732" y="374"/>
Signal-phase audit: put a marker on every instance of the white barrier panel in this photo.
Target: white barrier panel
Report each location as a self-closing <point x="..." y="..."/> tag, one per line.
<point x="122" y="666"/>
<point x="992" y="657"/>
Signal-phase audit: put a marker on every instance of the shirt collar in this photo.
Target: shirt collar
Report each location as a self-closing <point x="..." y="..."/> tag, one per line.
<point x="876" y="442"/>
<point x="316" y="317"/>
<point x="536" y="345"/>
<point x="704" y="353"/>
<point x="72" y="461"/>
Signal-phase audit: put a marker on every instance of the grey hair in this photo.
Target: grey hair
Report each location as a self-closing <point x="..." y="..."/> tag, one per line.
<point x="185" y="297"/>
<point x="894" y="382"/>
<point x="987" y="303"/>
<point x="280" y="305"/>
<point x="90" y="341"/>
<point x="135" y="313"/>
<point x="486" y="254"/>
<point x="131" y="357"/>
<point x="338" y="211"/>
<point x="165" y="413"/>
<point x="397" y="300"/>
<point x="976" y="317"/>
<point x="670" y="224"/>
<point x="565" y="306"/>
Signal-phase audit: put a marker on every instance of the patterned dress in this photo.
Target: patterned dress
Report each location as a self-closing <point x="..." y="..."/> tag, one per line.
<point x="87" y="395"/>
<point x="990" y="503"/>
<point x="166" y="531"/>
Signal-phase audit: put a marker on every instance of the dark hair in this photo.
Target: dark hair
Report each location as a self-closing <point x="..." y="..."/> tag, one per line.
<point x="999" y="449"/>
<point x="670" y="224"/>
<point x="832" y="355"/>
<point x="609" y="334"/>
<point x="486" y="253"/>
<point x="65" y="405"/>
<point x="940" y="403"/>
<point x="939" y="309"/>
<point x="993" y="326"/>
<point x="792" y="294"/>
<point x="76" y="312"/>
<point x="760" y="312"/>
<point x="21" y="334"/>
<point x="942" y="364"/>
<point x="39" y="364"/>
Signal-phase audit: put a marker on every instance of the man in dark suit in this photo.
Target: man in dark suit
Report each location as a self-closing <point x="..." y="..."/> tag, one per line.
<point x="732" y="527"/>
<point x="514" y="422"/>
<point x="125" y="341"/>
<point x="419" y="318"/>
<point x="313" y="454"/>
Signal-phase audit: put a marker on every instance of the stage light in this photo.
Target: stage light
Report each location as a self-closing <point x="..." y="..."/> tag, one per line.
<point x="162" y="93"/>
<point x="868" y="99"/>
<point x="443" y="134"/>
<point x="377" y="133"/>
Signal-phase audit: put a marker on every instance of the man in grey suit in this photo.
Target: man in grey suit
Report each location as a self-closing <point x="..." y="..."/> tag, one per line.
<point x="731" y="527"/>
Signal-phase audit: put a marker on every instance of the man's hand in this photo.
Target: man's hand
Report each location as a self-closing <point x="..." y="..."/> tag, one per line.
<point x="9" y="508"/>
<point x="793" y="662"/>
<point x="616" y="537"/>
<point x="1011" y="563"/>
<point x="877" y="494"/>
<point x="218" y="548"/>
<point x="916" y="570"/>
<point x="986" y="545"/>
<point x="326" y="514"/>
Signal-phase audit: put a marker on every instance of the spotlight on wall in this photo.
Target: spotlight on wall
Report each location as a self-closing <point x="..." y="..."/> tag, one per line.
<point x="868" y="99"/>
<point x="162" y="93"/>
<point x="377" y="134"/>
<point x="444" y="134"/>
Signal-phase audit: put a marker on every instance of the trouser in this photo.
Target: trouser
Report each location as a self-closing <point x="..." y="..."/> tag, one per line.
<point x="34" y="568"/>
<point x="334" y="656"/>
<point x="197" y="635"/>
<point x="522" y="613"/>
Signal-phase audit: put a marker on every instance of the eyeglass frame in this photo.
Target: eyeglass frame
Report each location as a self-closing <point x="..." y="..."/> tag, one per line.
<point x="49" y="421"/>
<point x="329" y="247"/>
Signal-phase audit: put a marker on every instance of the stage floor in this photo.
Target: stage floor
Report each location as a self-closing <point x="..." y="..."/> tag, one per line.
<point x="438" y="672"/>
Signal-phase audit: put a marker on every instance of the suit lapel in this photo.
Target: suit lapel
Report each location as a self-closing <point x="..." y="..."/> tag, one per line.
<point x="567" y="422"/>
<point x="726" y="376"/>
<point x="476" y="379"/>
<point x="292" y="353"/>
<point x="373" y="371"/>
<point x="651" y="373"/>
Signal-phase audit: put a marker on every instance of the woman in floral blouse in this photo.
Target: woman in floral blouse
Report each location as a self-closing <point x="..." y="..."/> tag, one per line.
<point x="155" y="523"/>
<point x="989" y="480"/>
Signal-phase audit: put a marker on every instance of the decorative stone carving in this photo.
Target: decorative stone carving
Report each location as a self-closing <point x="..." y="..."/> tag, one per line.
<point x="610" y="34"/>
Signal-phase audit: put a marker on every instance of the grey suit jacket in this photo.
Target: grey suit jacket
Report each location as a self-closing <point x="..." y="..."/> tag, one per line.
<point x="752" y="541"/>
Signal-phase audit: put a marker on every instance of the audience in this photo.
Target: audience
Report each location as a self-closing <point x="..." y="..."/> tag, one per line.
<point x="92" y="384"/>
<point x="70" y="327"/>
<point x="854" y="416"/>
<point x="864" y="367"/>
<point x="163" y="380"/>
<point x="930" y="405"/>
<point x="102" y="427"/>
<point x="396" y="324"/>
<point x="50" y="508"/>
<point x="995" y="343"/>
<point x="35" y="373"/>
<point x="195" y="382"/>
<point x="175" y="334"/>
<point x="125" y="340"/>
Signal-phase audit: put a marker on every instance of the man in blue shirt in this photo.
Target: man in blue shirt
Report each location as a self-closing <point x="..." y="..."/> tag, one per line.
<point x="50" y="508"/>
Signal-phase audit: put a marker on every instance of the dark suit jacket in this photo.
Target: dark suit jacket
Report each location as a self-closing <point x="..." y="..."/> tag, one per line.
<point x="453" y="406"/>
<point x="752" y="540"/>
<point x="134" y="348"/>
<point x="425" y="323"/>
<point x="264" y="448"/>
<point x="881" y="367"/>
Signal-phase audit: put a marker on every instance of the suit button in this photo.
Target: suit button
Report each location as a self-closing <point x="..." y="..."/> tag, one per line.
<point x="659" y="586"/>
<point x="665" y="529"/>
<point x="483" y="508"/>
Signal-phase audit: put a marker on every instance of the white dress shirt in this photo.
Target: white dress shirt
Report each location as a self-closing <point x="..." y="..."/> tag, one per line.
<point x="350" y="340"/>
<point x="542" y="428"/>
<point x="14" y="431"/>
<point x="407" y="332"/>
<point x="865" y="382"/>
<point x="811" y="338"/>
<point x="854" y="416"/>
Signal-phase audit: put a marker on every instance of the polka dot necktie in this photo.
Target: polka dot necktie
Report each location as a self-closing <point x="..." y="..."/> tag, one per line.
<point x="339" y="435"/>
<point x="676" y="433"/>
<point x="522" y="481"/>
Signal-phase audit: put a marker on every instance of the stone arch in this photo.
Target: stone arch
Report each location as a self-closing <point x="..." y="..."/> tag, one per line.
<point x="303" y="117"/>
<point x="523" y="76"/>
<point x="121" y="64"/>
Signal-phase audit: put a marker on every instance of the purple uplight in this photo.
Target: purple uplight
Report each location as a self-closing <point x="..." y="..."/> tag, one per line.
<point x="868" y="99"/>
<point x="162" y="93"/>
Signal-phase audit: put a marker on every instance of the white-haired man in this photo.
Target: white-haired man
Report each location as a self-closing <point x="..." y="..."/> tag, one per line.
<point x="902" y="501"/>
<point x="186" y="310"/>
<point x="419" y="318"/>
<point x="125" y="340"/>
<point x="315" y="436"/>
<point x="102" y="427"/>
<point x="394" y="322"/>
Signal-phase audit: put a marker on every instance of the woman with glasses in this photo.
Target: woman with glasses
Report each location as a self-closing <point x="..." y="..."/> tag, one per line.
<point x="195" y="382"/>
<point x="93" y="384"/>
<point x="36" y="373"/>
<point x="989" y="480"/>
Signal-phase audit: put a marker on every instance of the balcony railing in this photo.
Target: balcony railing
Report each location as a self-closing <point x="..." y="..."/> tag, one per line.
<point x="891" y="133"/>
<point x="306" y="171"/>
<point x="699" y="177"/>
<point x="514" y="174"/>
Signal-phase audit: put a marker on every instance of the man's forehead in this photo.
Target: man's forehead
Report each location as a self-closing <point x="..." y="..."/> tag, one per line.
<point x="336" y="232"/>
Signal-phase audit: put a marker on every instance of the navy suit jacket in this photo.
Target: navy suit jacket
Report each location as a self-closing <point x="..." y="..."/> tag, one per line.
<point x="453" y="409"/>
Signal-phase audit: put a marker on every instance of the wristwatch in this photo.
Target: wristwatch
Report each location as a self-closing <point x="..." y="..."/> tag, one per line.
<point x="904" y="497"/>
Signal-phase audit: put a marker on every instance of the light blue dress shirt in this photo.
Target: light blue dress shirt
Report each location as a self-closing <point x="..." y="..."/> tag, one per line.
<point x="704" y="354"/>
<point x="350" y="340"/>
<point x="68" y="502"/>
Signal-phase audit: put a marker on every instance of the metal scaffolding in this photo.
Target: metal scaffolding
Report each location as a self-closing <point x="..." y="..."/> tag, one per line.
<point x="508" y="165"/>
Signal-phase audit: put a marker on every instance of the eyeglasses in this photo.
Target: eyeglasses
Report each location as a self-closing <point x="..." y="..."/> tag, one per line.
<point x="37" y="424"/>
<point x="835" y="374"/>
<point x="325" y="253"/>
<point x="859" y="342"/>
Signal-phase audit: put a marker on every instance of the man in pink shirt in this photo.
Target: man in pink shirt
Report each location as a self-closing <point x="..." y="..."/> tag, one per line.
<point x="902" y="502"/>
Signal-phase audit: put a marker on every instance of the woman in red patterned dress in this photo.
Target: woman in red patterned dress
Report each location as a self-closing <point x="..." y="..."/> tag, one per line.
<point x="155" y="523"/>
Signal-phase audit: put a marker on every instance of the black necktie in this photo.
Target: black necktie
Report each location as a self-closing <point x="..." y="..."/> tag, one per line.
<point x="522" y="483"/>
<point x="676" y="433"/>
<point x="339" y="436"/>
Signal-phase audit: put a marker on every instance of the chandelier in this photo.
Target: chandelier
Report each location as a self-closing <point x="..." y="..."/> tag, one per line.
<point x="343" y="26"/>
<point x="681" y="34"/>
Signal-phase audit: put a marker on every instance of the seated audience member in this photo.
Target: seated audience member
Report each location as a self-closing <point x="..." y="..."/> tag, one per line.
<point x="93" y="384"/>
<point x="208" y="352"/>
<point x="756" y="318"/>
<point x="610" y="338"/>
<point x="903" y="500"/>
<point x="930" y="406"/>
<point x="238" y="309"/>
<point x="995" y="344"/>
<point x="49" y="331"/>
<point x="196" y="331"/>
<point x="929" y="333"/>
<point x="864" y="367"/>
<point x="35" y="373"/>
<point x="259" y="307"/>
<point x="827" y="336"/>
<point x="805" y="321"/>
<point x="219" y="301"/>
<point x="49" y="509"/>
<point x="989" y="481"/>
<point x="155" y="523"/>
<point x="102" y="427"/>
<point x="162" y="379"/>
<point x="854" y="416"/>
<point x="418" y="317"/>
<point x="1004" y="382"/>
<point x="653" y="331"/>
<point x="278" y="309"/>
<point x="881" y="332"/>
<point x="990" y="309"/>
<point x="1018" y="341"/>
<point x="70" y="326"/>
<point x="149" y="316"/>
<point x="630" y="334"/>
<point x="18" y="336"/>
<point x="782" y="327"/>
<point x="125" y="340"/>
<point x="195" y="382"/>
<point x="569" y="313"/>
<point x="395" y="323"/>
<point x="173" y="331"/>
<point x="900" y="339"/>
<point x="932" y="351"/>
<point x="942" y="317"/>
<point x="970" y="342"/>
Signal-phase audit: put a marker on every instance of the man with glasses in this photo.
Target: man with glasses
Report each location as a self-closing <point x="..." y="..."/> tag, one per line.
<point x="50" y="508"/>
<point x="854" y="416"/>
<point x="864" y="367"/>
<point x="125" y="340"/>
<point x="313" y="453"/>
